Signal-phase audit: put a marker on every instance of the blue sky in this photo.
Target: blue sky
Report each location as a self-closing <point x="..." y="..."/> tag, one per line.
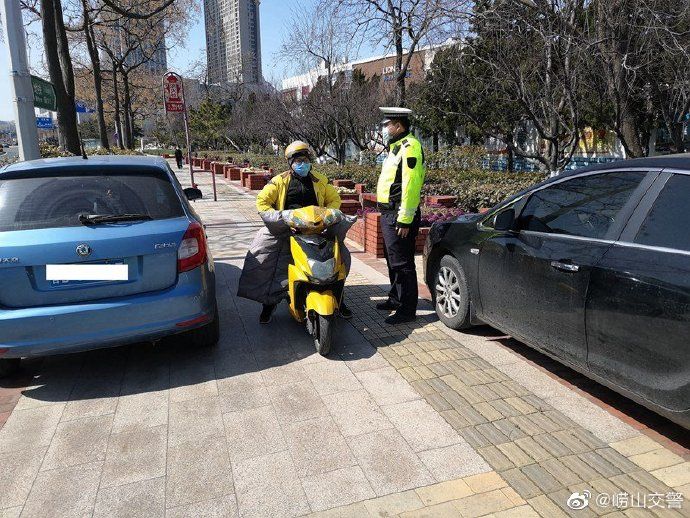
<point x="274" y="22"/>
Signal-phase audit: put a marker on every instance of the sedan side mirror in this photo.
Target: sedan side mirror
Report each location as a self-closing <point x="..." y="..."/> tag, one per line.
<point x="505" y="220"/>
<point x="192" y="193"/>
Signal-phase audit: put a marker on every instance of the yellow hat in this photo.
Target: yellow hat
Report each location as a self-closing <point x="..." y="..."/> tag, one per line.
<point x="296" y="148"/>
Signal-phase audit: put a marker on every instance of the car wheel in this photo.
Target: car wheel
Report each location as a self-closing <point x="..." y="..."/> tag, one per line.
<point x="451" y="295"/>
<point x="208" y="335"/>
<point x="9" y="366"/>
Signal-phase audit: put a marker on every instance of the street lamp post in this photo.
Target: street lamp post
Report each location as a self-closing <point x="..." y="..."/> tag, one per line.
<point x="22" y="90"/>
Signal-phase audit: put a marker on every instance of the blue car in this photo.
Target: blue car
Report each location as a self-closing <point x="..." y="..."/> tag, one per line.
<point x="97" y="253"/>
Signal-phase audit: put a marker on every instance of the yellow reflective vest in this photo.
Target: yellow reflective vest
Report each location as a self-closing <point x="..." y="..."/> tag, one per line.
<point x="402" y="177"/>
<point x="272" y="197"/>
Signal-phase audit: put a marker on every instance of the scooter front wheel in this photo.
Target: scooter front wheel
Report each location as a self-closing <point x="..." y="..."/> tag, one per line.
<point x="323" y="333"/>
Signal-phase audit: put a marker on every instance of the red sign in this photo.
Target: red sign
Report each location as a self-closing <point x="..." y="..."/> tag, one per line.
<point x="173" y="93"/>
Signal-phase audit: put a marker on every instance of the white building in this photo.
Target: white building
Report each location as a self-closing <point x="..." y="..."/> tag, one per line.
<point x="233" y="41"/>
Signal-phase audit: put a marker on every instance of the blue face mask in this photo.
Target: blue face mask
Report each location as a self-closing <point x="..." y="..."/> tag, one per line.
<point x="302" y="168"/>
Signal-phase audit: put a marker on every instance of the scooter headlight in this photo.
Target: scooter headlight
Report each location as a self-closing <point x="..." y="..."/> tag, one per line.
<point x="322" y="271"/>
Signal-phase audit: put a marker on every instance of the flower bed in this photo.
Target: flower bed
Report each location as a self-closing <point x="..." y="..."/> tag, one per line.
<point x="421" y="239"/>
<point x="244" y="173"/>
<point x="368" y="199"/>
<point x="256" y="181"/>
<point x="357" y="231"/>
<point x="456" y="172"/>
<point x="367" y="231"/>
<point x="346" y="184"/>
<point x="232" y="172"/>
<point x="350" y="207"/>
<point x="373" y="237"/>
<point x="438" y="213"/>
<point x="217" y="167"/>
<point x="444" y="201"/>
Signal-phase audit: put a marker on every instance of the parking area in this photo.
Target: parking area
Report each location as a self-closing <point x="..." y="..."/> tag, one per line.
<point x="411" y="420"/>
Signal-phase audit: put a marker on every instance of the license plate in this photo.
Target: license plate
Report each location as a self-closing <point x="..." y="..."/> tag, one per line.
<point x="67" y="274"/>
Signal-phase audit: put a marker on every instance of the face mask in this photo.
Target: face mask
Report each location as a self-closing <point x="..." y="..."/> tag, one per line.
<point x="302" y="169"/>
<point x="386" y="136"/>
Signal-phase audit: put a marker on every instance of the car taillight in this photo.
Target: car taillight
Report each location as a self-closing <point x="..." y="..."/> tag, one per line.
<point x="192" y="251"/>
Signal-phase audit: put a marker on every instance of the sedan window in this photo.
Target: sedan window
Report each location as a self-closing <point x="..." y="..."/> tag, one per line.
<point x="668" y="221"/>
<point x="586" y="206"/>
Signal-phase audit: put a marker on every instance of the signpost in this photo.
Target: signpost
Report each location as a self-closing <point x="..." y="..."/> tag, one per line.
<point x="44" y="123"/>
<point x="82" y="108"/>
<point x="174" y="102"/>
<point x="44" y="94"/>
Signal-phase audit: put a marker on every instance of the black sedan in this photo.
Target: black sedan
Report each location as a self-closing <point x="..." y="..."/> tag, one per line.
<point x="591" y="267"/>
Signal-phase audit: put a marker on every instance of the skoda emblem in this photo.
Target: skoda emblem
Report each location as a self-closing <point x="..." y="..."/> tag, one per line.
<point x="83" y="250"/>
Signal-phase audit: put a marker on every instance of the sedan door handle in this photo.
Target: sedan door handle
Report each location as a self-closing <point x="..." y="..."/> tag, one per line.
<point x="565" y="267"/>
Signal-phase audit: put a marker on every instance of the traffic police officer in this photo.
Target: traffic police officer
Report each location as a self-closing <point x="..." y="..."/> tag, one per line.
<point x="398" y="196"/>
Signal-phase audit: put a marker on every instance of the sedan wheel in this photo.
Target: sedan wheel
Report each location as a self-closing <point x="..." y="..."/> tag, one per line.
<point x="451" y="294"/>
<point x="448" y="293"/>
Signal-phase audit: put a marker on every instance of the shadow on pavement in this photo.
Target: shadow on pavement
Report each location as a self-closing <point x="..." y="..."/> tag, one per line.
<point x="245" y="346"/>
<point x="603" y="396"/>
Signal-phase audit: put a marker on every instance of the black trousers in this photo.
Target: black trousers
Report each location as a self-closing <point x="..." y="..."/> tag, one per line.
<point x="179" y="163"/>
<point x="400" y="259"/>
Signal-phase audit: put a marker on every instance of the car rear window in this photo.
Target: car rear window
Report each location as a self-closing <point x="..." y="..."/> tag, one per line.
<point x="58" y="199"/>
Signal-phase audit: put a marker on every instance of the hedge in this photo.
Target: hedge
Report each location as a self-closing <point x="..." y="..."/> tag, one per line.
<point x="48" y="151"/>
<point x="450" y="172"/>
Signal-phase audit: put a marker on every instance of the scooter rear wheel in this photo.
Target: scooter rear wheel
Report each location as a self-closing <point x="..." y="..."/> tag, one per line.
<point x="323" y="334"/>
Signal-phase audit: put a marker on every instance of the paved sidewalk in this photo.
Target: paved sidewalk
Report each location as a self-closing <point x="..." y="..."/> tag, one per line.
<point x="414" y="420"/>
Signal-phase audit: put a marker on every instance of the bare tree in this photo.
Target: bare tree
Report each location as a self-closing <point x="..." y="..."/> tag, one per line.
<point x="131" y="45"/>
<point x="669" y="20"/>
<point x="341" y="106"/>
<point x="535" y="55"/>
<point x="401" y="25"/>
<point x="61" y="73"/>
<point x="90" y="16"/>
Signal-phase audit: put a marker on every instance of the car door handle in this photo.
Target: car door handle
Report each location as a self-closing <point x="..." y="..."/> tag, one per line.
<point x="565" y="267"/>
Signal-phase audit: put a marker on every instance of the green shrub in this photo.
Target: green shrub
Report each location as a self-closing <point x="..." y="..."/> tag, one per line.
<point x="5" y="160"/>
<point x="161" y="151"/>
<point x="48" y="151"/>
<point x="454" y="172"/>
<point x="113" y="151"/>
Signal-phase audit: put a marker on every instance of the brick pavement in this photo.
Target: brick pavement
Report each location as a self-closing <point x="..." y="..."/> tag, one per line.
<point x="414" y="420"/>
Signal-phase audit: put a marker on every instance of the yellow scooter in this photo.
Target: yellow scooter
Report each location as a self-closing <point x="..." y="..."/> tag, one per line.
<point x="316" y="275"/>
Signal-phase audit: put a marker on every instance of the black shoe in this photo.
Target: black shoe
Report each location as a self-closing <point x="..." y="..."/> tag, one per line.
<point x="388" y="305"/>
<point x="345" y="311"/>
<point x="267" y="313"/>
<point x="400" y="318"/>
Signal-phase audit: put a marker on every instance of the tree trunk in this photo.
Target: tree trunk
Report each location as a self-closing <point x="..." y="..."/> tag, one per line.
<point x="63" y="49"/>
<point x="97" y="76"/>
<point x="676" y="131"/>
<point x="630" y="138"/>
<point x="510" y="147"/>
<point x="127" y="122"/>
<point x="118" y="120"/>
<point x="399" y="75"/>
<point x="434" y="140"/>
<point x="60" y="71"/>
